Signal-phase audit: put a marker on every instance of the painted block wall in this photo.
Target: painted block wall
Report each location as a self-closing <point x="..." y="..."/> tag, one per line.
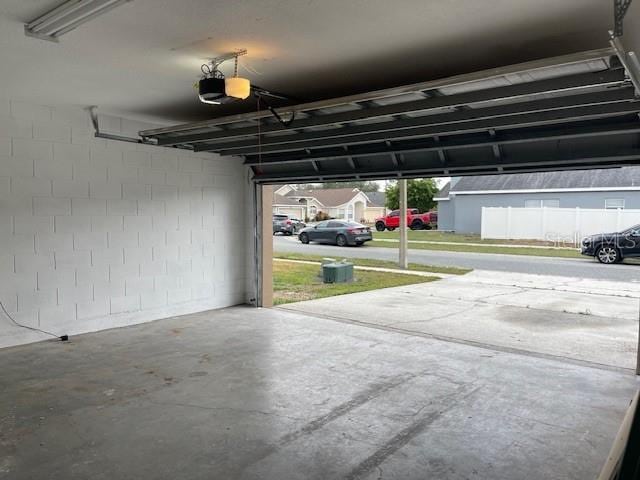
<point x="96" y="234"/>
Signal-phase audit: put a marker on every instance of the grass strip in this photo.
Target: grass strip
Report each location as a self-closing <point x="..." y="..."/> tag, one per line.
<point x="531" y="251"/>
<point x="296" y="282"/>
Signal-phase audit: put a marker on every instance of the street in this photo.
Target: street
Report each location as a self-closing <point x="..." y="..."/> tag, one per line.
<point x="565" y="267"/>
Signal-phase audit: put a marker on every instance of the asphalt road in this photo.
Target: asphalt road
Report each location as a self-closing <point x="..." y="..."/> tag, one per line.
<point x="565" y="267"/>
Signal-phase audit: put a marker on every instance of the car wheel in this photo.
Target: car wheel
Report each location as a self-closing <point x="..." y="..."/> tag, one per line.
<point x="304" y="238"/>
<point x="341" y="240"/>
<point x="417" y="225"/>
<point x="608" y="254"/>
<point x="380" y="226"/>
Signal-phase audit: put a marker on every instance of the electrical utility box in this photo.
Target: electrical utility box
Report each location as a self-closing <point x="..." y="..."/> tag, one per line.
<point x="337" y="272"/>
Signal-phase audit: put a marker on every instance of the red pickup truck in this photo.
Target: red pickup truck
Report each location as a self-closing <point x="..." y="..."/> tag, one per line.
<point x="415" y="220"/>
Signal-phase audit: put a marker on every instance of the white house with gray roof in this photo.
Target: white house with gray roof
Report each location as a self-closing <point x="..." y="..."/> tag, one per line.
<point x="342" y="203"/>
<point x="460" y="201"/>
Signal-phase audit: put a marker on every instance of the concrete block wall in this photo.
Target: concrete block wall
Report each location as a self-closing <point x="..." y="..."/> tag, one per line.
<point x="97" y="233"/>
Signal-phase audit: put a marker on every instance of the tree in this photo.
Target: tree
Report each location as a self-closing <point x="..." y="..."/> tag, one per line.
<point x="420" y="193"/>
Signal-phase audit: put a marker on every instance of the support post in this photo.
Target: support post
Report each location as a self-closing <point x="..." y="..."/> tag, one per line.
<point x="265" y="265"/>
<point x="402" y="192"/>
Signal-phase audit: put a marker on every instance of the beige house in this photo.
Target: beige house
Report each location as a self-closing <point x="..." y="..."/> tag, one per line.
<point x="342" y="203"/>
<point x="288" y="206"/>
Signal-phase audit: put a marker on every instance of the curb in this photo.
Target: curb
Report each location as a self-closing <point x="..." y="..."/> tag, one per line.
<point x="378" y="269"/>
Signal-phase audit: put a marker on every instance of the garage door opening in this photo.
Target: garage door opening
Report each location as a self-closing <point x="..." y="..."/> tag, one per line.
<point x="525" y="295"/>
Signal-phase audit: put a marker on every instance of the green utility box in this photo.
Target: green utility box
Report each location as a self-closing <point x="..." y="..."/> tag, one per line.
<point x="337" y="272"/>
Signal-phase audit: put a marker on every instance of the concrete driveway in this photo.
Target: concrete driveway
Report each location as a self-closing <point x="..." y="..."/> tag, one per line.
<point x="583" y="320"/>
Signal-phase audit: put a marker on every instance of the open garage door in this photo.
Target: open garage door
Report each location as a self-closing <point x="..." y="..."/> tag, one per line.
<point x="572" y="112"/>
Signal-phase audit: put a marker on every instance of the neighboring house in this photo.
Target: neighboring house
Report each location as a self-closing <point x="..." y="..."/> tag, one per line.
<point x="343" y="203"/>
<point x="460" y="202"/>
<point x="377" y="208"/>
<point x="288" y="206"/>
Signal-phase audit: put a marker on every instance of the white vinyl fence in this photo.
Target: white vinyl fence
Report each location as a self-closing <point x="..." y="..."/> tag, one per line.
<point x="567" y="225"/>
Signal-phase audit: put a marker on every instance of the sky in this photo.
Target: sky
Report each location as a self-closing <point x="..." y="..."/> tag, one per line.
<point x="440" y="182"/>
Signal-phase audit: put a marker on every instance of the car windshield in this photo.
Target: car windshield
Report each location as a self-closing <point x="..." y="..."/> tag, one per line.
<point x="635" y="230"/>
<point x="355" y="224"/>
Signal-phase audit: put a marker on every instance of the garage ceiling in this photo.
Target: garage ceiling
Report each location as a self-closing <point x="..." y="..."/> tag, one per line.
<point x="577" y="111"/>
<point x="141" y="59"/>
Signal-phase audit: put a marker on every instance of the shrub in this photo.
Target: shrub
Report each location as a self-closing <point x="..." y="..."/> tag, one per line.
<point x="320" y="216"/>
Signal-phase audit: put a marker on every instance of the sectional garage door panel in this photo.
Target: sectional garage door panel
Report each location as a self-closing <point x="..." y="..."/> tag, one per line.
<point x="578" y="111"/>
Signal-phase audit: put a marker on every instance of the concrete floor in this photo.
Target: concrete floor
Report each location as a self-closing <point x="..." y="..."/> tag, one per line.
<point x="583" y="320"/>
<point x="270" y="394"/>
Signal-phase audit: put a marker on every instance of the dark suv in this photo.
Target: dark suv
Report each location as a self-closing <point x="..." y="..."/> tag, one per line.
<point x="613" y="247"/>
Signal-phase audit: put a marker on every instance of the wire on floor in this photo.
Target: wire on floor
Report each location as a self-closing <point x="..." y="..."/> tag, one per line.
<point x="64" y="338"/>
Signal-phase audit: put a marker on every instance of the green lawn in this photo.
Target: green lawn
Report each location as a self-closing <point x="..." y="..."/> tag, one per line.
<point x="295" y="282"/>
<point x="434" y="236"/>
<point x="365" y="262"/>
<point x="540" y="252"/>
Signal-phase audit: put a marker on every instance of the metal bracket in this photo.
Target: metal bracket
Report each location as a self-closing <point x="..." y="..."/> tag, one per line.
<point x="620" y="8"/>
<point x="216" y="62"/>
<point x="629" y="61"/>
<point x="93" y="114"/>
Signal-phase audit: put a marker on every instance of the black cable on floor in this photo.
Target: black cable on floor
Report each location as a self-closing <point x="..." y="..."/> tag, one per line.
<point x="64" y="338"/>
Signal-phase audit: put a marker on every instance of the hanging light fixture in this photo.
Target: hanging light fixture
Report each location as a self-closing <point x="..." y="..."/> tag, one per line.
<point x="237" y="87"/>
<point x="214" y="88"/>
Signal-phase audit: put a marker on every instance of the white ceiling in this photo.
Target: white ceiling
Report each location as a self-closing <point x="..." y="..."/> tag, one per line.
<point x="142" y="59"/>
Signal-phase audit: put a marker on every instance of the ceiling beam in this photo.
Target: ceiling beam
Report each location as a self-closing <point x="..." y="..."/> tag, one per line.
<point x="415" y="127"/>
<point x="568" y="84"/>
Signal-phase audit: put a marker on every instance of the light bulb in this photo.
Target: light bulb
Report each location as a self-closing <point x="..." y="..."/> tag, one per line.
<point x="237" y="87"/>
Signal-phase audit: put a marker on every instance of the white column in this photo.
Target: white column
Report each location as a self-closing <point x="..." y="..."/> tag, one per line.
<point x="402" y="191"/>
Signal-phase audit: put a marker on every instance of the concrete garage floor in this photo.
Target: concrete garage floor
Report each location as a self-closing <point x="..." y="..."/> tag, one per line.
<point x="583" y="320"/>
<point x="270" y="394"/>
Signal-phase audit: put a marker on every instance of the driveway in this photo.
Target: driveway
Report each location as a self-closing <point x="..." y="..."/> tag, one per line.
<point x="583" y="320"/>
<point x="566" y="267"/>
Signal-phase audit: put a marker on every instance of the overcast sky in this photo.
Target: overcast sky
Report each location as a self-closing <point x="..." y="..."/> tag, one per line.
<point x="440" y="181"/>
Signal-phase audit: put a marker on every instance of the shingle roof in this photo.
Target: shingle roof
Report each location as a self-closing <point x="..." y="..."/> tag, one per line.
<point x="602" y="178"/>
<point x="444" y="191"/>
<point x="281" y="200"/>
<point x="329" y="197"/>
<point x="378" y="199"/>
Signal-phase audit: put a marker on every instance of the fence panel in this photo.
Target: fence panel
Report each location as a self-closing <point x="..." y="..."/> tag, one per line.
<point x="553" y="224"/>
